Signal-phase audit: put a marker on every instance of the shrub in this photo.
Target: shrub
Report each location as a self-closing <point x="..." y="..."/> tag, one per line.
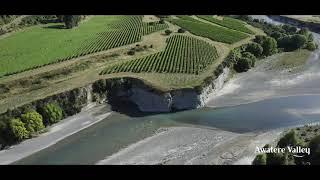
<point x="259" y="39"/>
<point x="151" y="23"/>
<point x="277" y="35"/>
<point x="181" y="30"/>
<point x="291" y="43"/>
<point x="168" y="32"/>
<point x="311" y="46"/>
<point x="290" y="139"/>
<point x="289" y="29"/>
<point x="314" y="146"/>
<point x="277" y="159"/>
<point x="18" y="129"/>
<point x="2" y="31"/>
<point x="260" y="159"/>
<point x="269" y="46"/>
<point x="52" y="113"/>
<point x="251" y="57"/>
<point x="131" y="52"/>
<point x="161" y="21"/>
<point x="243" y="64"/>
<point x="255" y="48"/>
<point x="33" y="121"/>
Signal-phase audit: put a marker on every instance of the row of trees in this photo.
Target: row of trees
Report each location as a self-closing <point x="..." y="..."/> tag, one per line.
<point x="288" y="37"/>
<point x="31" y="122"/>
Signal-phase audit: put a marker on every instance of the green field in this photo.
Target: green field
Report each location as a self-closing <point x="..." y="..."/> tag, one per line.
<point x="183" y="54"/>
<point x="228" y="22"/>
<point x="212" y="32"/>
<point x="40" y="45"/>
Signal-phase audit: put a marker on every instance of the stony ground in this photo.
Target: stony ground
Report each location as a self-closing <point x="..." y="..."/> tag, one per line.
<point x="193" y="145"/>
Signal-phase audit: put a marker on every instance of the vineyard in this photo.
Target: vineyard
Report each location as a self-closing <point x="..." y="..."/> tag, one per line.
<point x="183" y="54"/>
<point x="228" y="22"/>
<point x="42" y="45"/>
<point x="212" y="32"/>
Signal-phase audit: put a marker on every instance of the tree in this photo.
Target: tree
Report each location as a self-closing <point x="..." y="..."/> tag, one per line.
<point x="289" y="139"/>
<point x="33" y="121"/>
<point x="251" y="57"/>
<point x="277" y="159"/>
<point x="276" y="35"/>
<point x="311" y="46"/>
<point x="168" y="32"/>
<point x="161" y="21"/>
<point x="181" y="30"/>
<point x="243" y="64"/>
<point x="298" y="41"/>
<point x="18" y="129"/>
<point x="289" y="29"/>
<point x="60" y="18"/>
<point x="259" y="39"/>
<point x="269" y="46"/>
<point x="71" y="20"/>
<point x="260" y="159"/>
<point x="52" y="113"/>
<point x="314" y="146"/>
<point x="255" y="48"/>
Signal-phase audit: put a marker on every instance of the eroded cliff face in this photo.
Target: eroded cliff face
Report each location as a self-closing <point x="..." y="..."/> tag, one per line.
<point x="134" y="90"/>
<point x="149" y="100"/>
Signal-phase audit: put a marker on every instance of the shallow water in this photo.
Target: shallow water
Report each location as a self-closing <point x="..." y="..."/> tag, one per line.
<point x="118" y="131"/>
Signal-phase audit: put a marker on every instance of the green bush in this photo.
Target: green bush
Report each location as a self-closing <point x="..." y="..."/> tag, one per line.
<point x="243" y="64"/>
<point x="52" y="113"/>
<point x="311" y="46"/>
<point x="277" y="159"/>
<point x="269" y="46"/>
<point x="289" y="29"/>
<point x="314" y="146"/>
<point x="255" y="48"/>
<point x="260" y="159"/>
<point x="18" y="129"/>
<point x="251" y="57"/>
<point x="290" y="139"/>
<point x="33" y="121"/>
<point x="161" y="21"/>
<point x="168" y="32"/>
<point x="181" y="30"/>
<point x="277" y="35"/>
<point x="293" y="42"/>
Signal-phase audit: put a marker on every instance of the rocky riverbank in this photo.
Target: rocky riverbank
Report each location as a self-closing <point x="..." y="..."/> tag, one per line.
<point x="193" y="145"/>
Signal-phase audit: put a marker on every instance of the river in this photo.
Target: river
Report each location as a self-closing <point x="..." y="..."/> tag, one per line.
<point x="258" y="100"/>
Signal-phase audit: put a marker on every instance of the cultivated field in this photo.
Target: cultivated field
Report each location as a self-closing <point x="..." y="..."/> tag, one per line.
<point x="183" y="54"/>
<point x="215" y="33"/>
<point x="45" y="44"/>
<point x="229" y="23"/>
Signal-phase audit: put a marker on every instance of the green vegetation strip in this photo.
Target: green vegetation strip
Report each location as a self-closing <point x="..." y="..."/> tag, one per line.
<point x="183" y="54"/>
<point x="229" y="23"/>
<point x="212" y="32"/>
